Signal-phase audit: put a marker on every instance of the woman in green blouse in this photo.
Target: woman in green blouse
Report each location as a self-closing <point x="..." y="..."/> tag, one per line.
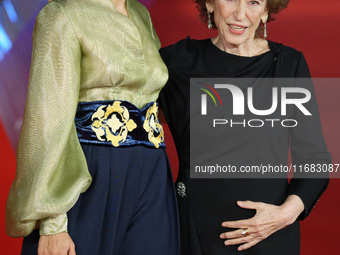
<point x="92" y="172"/>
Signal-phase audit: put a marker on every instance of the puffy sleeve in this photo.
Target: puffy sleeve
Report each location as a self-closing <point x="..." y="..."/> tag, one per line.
<point x="51" y="167"/>
<point x="308" y="148"/>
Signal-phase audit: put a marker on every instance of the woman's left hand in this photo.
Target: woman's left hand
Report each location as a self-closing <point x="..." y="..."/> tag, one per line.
<point x="267" y="220"/>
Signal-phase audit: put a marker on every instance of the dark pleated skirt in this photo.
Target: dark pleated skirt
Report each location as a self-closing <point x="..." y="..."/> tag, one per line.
<point x="129" y="209"/>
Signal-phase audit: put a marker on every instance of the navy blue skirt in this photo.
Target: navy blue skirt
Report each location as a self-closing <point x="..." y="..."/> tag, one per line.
<point x="130" y="207"/>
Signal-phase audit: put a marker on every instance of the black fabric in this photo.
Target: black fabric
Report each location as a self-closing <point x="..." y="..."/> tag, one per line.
<point x="209" y="202"/>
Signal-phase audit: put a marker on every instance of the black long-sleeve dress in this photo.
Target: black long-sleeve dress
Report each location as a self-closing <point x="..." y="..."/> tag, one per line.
<point x="209" y="202"/>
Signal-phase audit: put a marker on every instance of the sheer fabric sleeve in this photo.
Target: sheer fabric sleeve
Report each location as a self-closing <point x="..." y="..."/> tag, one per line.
<point x="51" y="167"/>
<point x="308" y="148"/>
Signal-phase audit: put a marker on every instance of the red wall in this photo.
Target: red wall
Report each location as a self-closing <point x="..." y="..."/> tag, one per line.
<point x="8" y="245"/>
<point x="309" y="26"/>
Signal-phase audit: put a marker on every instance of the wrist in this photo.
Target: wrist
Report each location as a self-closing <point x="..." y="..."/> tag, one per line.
<point x="292" y="208"/>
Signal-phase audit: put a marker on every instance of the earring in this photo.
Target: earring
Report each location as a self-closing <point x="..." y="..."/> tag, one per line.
<point x="265" y="31"/>
<point x="210" y="26"/>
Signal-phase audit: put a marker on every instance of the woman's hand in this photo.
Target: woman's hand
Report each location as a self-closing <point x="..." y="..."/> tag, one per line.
<point x="267" y="220"/>
<point x="58" y="244"/>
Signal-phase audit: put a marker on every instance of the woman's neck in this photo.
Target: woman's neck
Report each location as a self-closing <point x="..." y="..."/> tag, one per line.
<point x="121" y="6"/>
<point x="252" y="48"/>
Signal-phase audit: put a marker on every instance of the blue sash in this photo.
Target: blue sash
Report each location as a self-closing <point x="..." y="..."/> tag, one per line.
<point x="119" y="123"/>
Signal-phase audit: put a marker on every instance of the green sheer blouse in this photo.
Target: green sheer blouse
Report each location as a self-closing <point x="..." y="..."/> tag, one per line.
<point x="83" y="50"/>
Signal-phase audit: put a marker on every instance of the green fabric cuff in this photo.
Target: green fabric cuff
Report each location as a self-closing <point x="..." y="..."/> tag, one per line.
<point x="53" y="225"/>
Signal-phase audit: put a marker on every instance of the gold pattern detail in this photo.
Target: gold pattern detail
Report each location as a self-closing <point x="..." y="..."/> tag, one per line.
<point x="153" y="127"/>
<point x="112" y="124"/>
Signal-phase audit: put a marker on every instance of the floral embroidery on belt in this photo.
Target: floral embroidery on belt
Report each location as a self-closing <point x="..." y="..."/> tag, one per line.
<point x="113" y="123"/>
<point x="153" y="127"/>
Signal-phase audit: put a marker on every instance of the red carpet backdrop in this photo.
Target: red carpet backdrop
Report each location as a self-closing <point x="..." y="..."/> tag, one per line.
<point x="309" y="26"/>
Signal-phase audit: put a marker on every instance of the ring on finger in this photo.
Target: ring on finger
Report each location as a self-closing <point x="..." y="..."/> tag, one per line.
<point x="245" y="232"/>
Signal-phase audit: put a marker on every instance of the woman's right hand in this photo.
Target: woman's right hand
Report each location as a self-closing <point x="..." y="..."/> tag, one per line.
<point x="58" y="244"/>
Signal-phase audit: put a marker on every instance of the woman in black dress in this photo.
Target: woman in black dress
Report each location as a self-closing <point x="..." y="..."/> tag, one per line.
<point x="242" y="216"/>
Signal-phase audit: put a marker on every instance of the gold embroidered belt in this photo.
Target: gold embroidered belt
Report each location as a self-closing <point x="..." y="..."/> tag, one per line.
<point x="119" y="123"/>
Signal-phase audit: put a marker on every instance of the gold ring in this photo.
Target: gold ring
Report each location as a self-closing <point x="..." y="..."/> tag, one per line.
<point x="245" y="232"/>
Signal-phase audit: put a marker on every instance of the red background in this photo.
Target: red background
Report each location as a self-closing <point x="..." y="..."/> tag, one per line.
<point x="309" y="26"/>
